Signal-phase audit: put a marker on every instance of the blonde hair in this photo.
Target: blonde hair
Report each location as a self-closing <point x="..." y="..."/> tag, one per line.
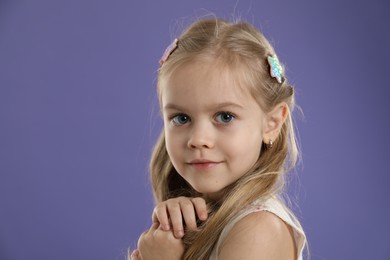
<point x="244" y="51"/>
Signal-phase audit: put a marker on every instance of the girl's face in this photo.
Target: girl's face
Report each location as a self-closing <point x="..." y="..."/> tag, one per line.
<point x="213" y="128"/>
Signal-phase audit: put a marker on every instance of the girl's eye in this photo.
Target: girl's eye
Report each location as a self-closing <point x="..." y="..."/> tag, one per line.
<point x="180" y="119"/>
<point x="224" y="117"/>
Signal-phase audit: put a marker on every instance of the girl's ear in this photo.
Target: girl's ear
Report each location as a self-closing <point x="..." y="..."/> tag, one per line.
<point x="275" y="119"/>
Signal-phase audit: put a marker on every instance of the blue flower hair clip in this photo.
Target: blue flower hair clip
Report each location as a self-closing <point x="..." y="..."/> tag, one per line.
<point x="168" y="51"/>
<point x="276" y="69"/>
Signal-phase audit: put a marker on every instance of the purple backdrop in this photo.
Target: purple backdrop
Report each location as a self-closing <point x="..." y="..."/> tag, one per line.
<point x="78" y="118"/>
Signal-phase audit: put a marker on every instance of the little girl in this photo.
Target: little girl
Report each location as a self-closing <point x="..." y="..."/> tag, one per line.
<point x="219" y="164"/>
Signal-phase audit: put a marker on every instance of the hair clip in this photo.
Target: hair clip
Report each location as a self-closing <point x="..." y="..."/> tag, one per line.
<point x="168" y="51"/>
<point x="275" y="68"/>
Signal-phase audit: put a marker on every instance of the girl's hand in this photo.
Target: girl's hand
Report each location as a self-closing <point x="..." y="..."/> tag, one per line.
<point x="174" y="211"/>
<point x="156" y="243"/>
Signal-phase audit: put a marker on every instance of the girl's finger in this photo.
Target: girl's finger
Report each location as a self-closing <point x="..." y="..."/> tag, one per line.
<point x="176" y="218"/>
<point x="154" y="227"/>
<point x="188" y="214"/>
<point x="201" y="208"/>
<point x="160" y="215"/>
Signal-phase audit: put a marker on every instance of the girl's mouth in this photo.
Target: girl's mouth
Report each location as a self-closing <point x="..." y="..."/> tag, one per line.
<point x="202" y="164"/>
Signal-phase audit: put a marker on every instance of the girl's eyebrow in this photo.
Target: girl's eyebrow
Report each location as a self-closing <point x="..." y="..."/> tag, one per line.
<point x="212" y="107"/>
<point x="172" y="106"/>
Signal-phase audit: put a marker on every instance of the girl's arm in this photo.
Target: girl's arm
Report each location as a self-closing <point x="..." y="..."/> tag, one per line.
<point x="260" y="235"/>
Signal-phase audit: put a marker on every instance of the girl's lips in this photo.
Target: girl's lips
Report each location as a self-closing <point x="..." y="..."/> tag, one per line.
<point x="203" y="164"/>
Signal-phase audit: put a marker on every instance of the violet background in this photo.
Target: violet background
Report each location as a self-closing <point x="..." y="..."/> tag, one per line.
<point x="79" y="116"/>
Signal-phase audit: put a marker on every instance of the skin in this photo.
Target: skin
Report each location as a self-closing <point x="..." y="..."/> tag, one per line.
<point x="260" y="235"/>
<point x="178" y="212"/>
<point x="156" y="243"/>
<point x="207" y="118"/>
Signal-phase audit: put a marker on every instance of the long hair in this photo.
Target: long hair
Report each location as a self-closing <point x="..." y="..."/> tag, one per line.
<point x="244" y="51"/>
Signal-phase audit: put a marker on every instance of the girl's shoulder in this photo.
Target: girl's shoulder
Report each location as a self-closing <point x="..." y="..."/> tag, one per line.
<point x="266" y="228"/>
<point x="260" y="234"/>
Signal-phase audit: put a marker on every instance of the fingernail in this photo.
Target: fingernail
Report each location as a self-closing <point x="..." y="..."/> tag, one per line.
<point x="166" y="227"/>
<point x="179" y="233"/>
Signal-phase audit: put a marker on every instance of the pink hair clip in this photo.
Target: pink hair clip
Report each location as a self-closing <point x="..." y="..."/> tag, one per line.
<point x="168" y="51"/>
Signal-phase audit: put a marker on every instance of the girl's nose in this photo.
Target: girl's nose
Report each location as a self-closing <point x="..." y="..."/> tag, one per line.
<point x="201" y="136"/>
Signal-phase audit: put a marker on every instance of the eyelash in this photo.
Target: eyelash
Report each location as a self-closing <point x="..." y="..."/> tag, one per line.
<point x="175" y="116"/>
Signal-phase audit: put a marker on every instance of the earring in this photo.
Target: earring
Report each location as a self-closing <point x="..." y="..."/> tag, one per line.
<point x="270" y="143"/>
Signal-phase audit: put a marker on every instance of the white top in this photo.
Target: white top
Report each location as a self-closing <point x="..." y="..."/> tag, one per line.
<point x="274" y="206"/>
